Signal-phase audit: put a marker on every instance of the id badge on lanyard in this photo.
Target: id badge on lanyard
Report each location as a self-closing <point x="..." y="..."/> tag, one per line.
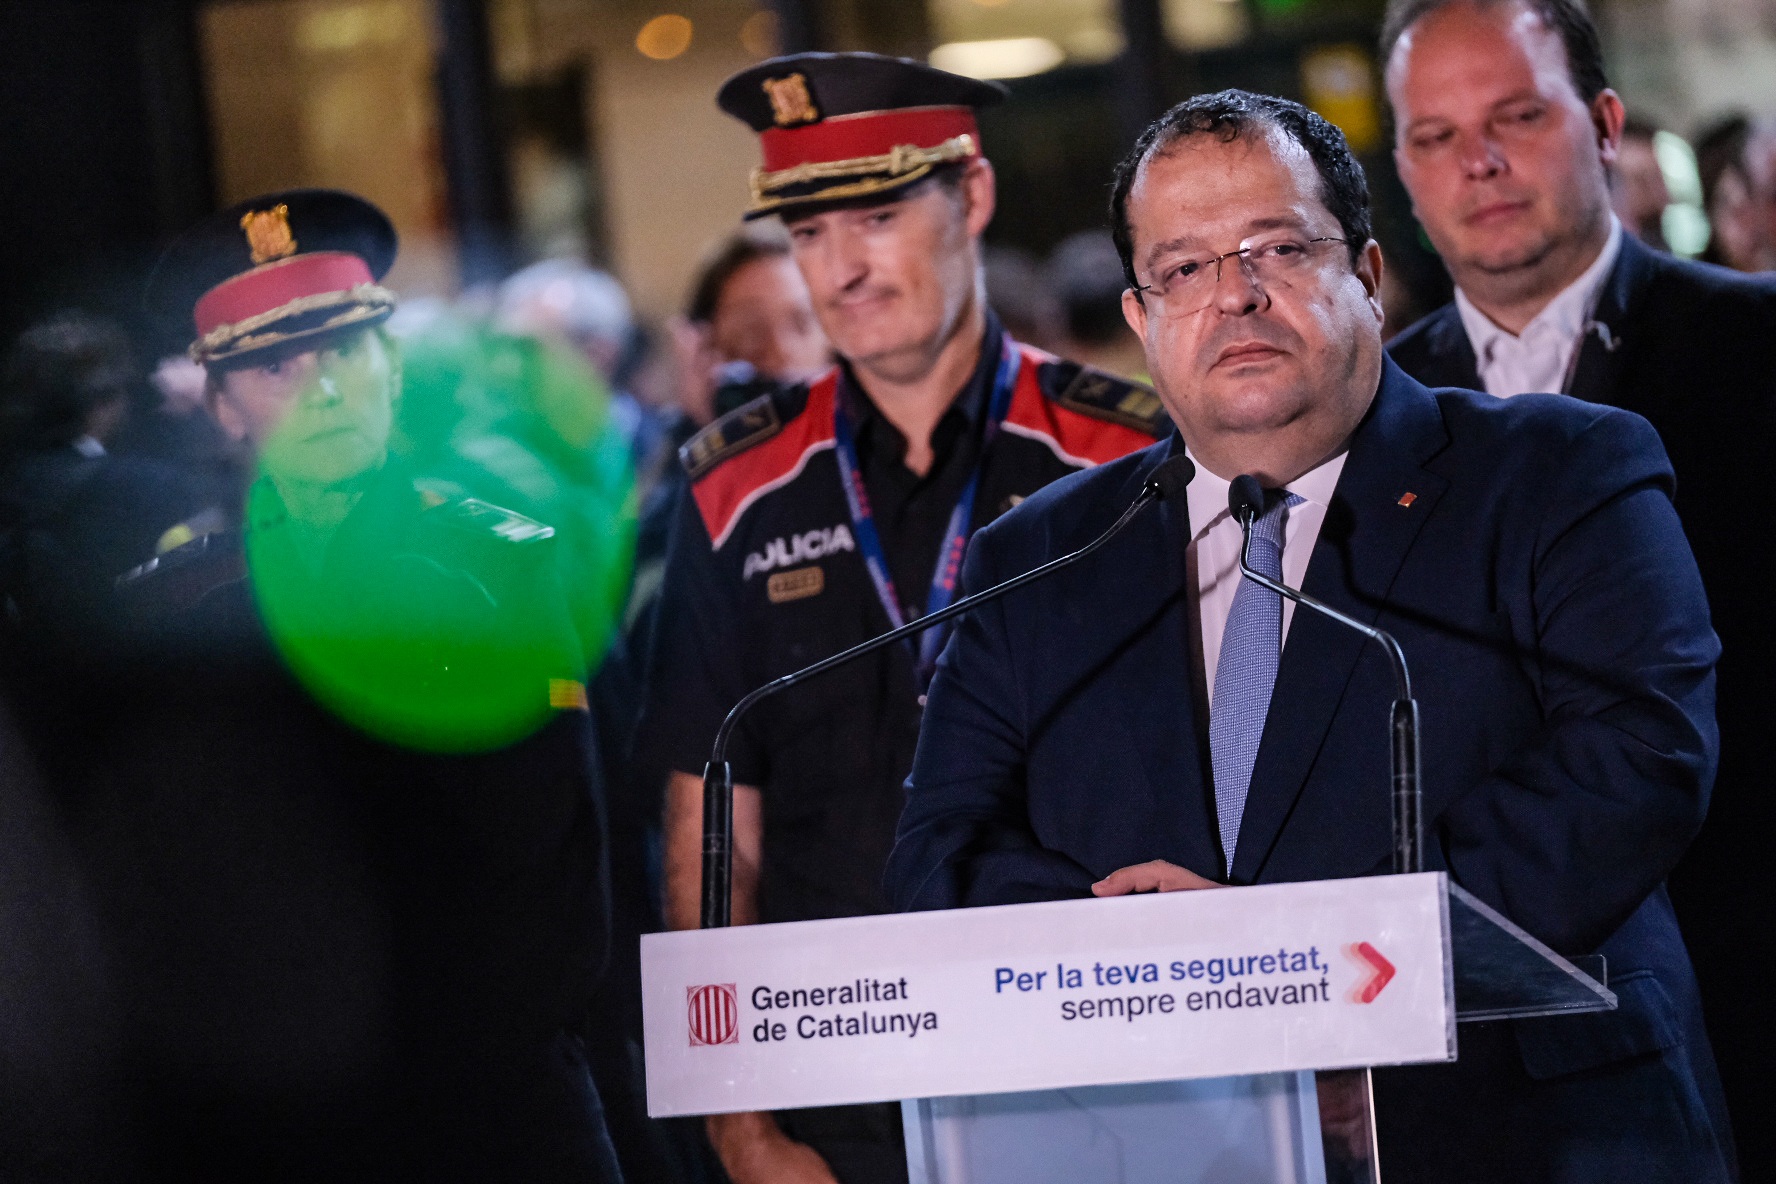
<point x="947" y="575"/>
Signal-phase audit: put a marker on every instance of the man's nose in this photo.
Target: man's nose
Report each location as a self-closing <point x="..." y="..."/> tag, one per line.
<point x="847" y="258"/>
<point x="1237" y="289"/>
<point x="1481" y="158"/>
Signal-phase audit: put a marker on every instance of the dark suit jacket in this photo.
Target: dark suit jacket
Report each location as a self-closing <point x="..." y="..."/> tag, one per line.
<point x="1544" y="594"/>
<point x="1695" y="352"/>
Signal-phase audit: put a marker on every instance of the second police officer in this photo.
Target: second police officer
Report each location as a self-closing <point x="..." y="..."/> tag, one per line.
<point x="344" y="815"/>
<point x="827" y="514"/>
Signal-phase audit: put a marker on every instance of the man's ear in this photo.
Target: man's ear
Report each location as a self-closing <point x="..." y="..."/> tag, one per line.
<point x="1368" y="270"/>
<point x="980" y="195"/>
<point x="1607" y="117"/>
<point x="222" y="408"/>
<point x="1134" y="312"/>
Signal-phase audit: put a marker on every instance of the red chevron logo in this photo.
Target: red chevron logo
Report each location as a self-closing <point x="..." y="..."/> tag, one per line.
<point x="1381" y="972"/>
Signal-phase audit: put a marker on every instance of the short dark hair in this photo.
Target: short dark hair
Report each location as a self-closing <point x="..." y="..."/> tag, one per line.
<point x="1228" y="115"/>
<point x="1569" y="18"/>
<point x="749" y="244"/>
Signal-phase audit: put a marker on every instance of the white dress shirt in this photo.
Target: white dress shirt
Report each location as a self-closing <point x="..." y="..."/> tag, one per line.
<point x="1541" y="357"/>
<point x="1213" y="554"/>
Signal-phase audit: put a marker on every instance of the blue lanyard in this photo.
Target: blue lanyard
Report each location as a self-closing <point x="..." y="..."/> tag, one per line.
<point x="948" y="573"/>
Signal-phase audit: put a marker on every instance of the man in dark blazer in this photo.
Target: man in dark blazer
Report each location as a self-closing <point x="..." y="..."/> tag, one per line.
<point x="1506" y="130"/>
<point x="1527" y="557"/>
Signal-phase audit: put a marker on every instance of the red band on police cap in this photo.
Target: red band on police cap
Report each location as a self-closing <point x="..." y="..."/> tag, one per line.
<point x="276" y="284"/>
<point x="875" y="133"/>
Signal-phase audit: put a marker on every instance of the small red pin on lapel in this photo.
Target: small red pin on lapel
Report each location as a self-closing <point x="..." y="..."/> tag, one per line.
<point x="1407" y="498"/>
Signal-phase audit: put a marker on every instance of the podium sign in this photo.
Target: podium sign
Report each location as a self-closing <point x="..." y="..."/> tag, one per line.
<point x="1182" y="985"/>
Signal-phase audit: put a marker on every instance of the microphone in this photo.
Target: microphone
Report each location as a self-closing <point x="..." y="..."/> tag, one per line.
<point x="1166" y="482"/>
<point x="1245" y="500"/>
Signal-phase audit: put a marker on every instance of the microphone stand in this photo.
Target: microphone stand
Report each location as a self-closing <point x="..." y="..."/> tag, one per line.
<point x="1172" y="475"/>
<point x="1408" y="798"/>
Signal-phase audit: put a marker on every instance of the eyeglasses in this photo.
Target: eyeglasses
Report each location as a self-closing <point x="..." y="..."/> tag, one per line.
<point x="1187" y="286"/>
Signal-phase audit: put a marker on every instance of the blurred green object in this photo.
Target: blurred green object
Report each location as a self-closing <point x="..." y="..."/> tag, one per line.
<point x="525" y="423"/>
<point x="436" y="623"/>
<point x="424" y="616"/>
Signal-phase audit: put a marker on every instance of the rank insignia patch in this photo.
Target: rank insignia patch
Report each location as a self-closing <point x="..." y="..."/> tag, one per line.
<point x="268" y="234"/>
<point x="736" y="431"/>
<point x="790" y="101"/>
<point x="1105" y="396"/>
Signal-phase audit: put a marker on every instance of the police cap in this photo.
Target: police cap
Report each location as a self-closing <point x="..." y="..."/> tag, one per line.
<point x="281" y="268"/>
<point x="839" y="126"/>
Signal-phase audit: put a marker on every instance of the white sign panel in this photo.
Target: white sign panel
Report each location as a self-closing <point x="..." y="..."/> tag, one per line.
<point x="1181" y="985"/>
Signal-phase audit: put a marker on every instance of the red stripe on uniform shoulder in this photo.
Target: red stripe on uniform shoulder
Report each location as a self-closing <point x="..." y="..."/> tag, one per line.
<point x="1077" y="439"/>
<point x="724" y="493"/>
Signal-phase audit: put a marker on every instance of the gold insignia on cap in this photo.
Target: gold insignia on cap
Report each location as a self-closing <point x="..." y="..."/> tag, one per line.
<point x="790" y="100"/>
<point x="268" y="234"/>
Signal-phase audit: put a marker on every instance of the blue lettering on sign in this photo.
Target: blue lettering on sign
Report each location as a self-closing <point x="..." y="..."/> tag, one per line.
<point x="1021" y="980"/>
<point x="1014" y="980"/>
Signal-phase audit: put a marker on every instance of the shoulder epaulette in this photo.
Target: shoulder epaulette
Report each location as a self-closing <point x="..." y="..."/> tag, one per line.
<point x="206" y="522"/>
<point x="476" y="516"/>
<point x="743" y="427"/>
<point x="777" y="432"/>
<point x="1104" y="396"/>
<point x="177" y="579"/>
<point x="210" y="547"/>
<point x="435" y="491"/>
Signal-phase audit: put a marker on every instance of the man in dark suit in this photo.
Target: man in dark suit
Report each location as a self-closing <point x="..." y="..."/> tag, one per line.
<point x="1187" y="731"/>
<point x="1506" y="132"/>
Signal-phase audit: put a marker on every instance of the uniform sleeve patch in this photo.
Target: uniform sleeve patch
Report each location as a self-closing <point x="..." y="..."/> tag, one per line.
<point x="749" y="424"/>
<point x="1105" y="396"/>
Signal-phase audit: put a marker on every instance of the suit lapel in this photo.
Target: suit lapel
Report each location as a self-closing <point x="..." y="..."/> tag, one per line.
<point x="1449" y="358"/>
<point x="1148" y="634"/>
<point x="1360" y="550"/>
<point x="1597" y="376"/>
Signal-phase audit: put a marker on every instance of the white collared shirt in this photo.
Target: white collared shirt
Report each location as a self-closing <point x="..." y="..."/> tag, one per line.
<point x="1215" y="538"/>
<point x="1541" y="357"/>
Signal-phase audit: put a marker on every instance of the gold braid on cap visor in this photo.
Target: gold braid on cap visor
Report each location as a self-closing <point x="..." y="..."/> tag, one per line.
<point x="894" y="168"/>
<point x="358" y="304"/>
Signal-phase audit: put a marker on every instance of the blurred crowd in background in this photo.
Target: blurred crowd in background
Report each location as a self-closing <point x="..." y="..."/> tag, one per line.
<point x="548" y="393"/>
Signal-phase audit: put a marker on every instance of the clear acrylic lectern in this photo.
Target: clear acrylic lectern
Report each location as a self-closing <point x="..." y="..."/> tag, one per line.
<point x="1277" y="1128"/>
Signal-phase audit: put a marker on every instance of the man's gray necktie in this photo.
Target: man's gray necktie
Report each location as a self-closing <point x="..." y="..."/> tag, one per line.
<point x="1246" y="671"/>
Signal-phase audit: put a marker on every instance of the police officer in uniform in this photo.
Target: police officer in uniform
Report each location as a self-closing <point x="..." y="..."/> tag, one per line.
<point x="824" y="515"/>
<point x="345" y="831"/>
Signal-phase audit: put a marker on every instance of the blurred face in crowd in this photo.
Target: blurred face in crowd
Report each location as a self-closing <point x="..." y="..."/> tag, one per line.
<point x="319" y="417"/>
<point x="892" y="281"/>
<point x="1506" y="164"/>
<point x="1268" y="368"/>
<point x="1743" y="211"/>
<point x="765" y="318"/>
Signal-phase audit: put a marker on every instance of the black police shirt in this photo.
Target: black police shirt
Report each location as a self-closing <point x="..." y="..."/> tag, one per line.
<point x="765" y="576"/>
